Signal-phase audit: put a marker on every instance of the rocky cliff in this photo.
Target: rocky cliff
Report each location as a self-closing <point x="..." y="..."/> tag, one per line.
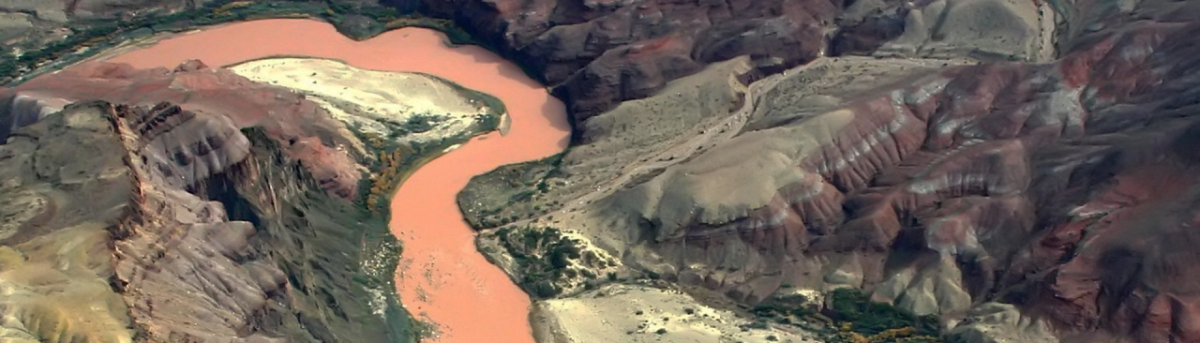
<point x="305" y="130"/>
<point x="1033" y="201"/>
<point x="138" y="223"/>
<point x="597" y="54"/>
<point x="210" y="207"/>
<point x="1024" y="169"/>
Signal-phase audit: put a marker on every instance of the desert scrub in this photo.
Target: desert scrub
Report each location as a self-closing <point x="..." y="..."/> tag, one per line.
<point x="851" y="317"/>
<point x="511" y="193"/>
<point x="416" y="123"/>
<point x="388" y="167"/>
<point x="543" y="258"/>
<point x="390" y="162"/>
<point x="8" y="65"/>
<point x="875" y="319"/>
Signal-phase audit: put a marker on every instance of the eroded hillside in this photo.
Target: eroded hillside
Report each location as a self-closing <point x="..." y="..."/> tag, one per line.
<point x="1023" y="169"/>
<point x="1021" y="201"/>
<point x="106" y="247"/>
<point x="210" y="208"/>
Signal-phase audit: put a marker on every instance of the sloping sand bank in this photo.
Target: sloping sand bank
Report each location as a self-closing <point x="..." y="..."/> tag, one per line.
<point x="387" y="104"/>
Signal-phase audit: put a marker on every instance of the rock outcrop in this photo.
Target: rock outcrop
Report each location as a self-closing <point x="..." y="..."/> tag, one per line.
<point x="597" y="54"/>
<point x="217" y="97"/>
<point x="1045" y="194"/>
<point x="137" y="223"/>
<point x="1063" y="189"/>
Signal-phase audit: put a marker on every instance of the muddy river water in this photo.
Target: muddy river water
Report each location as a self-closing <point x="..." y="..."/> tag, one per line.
<point x="442" y="277"/>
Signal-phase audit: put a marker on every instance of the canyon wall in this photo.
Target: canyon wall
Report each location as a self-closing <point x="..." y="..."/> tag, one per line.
<point x="1036" y="190"/>
<point x="232" y="220"/>
<point x="103" y="244"/>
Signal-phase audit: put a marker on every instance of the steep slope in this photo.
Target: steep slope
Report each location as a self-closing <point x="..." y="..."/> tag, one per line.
<point x="228" y="256"/>
<point x="305" y="130"/>
<point x="597" y="54"/>
<point x="1061" y="188"/>
<point x="253" y="213"/>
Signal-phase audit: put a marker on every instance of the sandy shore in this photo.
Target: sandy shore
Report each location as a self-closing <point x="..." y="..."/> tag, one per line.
<point x="371" y="101"/>
<point x="641" y="313"/>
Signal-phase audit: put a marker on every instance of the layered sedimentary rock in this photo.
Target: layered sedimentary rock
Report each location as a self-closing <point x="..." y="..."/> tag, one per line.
<point x="1062" y="189"/>
<point x="596" y="54"/>
<point x="218" y="96"/>
<point x="137" y="223"/>
<point x="599" y="53"/>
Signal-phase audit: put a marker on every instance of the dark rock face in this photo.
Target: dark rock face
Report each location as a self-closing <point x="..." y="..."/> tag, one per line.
<point x="862" y="36"/>
<point x="598" y="53"/>
<point x="183" y="148"/>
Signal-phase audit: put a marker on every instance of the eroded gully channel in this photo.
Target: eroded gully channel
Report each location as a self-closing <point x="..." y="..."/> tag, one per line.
<point x="443" y="277"/>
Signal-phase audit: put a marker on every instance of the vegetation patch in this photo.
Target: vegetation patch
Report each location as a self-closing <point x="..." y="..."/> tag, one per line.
<point x="543" y="257"/>
<point x="850" y="317"/>
<point x="391" y="162"/>
<point x="548" y="263"/>
<point x="511" y="193"/>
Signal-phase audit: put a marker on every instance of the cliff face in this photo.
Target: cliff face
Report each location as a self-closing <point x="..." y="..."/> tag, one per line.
<point x="218" y="97"/>
<point x="991" y="182"/>
<point x="169" y="225"/>
<point x="1062" y="188"/>
<point x="597" y="54"/>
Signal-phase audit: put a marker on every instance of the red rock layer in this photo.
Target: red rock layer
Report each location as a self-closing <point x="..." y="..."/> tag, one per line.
<point x="1068" y="188"/>
<point x="304" y="130"/>
<point x="599" y="53"/>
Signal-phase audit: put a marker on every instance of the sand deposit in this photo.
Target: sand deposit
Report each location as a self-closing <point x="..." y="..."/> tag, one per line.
<point x="644" y="313"/>
<point x="383" y="103"/>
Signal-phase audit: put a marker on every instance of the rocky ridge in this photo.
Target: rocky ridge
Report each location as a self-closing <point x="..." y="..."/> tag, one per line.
<point x="1014" y="199"/>
<point x="597" y="54"/>
<point x="229" y="256"/>
<point x="303" y="128"/>
<point x="701" y="157"/>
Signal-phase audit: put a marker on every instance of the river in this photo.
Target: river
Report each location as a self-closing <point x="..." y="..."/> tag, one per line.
<point x="446" y="280"/>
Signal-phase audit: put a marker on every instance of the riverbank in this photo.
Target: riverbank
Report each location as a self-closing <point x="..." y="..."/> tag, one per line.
<point x="447" y="282"/>
<point x="91" y="37"/>
<point x="401" y="119"/>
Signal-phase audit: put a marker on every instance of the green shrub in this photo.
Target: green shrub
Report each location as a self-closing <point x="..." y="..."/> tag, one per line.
<point x="8" y="65"/>
<point x="543" y="256"/>
<point x="870" y="318"/>
<point x="852" y="317"/>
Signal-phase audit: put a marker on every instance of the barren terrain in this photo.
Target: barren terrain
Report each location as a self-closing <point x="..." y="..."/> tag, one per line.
<point x="943" y="181"/>
<point x="989" y="170"/>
